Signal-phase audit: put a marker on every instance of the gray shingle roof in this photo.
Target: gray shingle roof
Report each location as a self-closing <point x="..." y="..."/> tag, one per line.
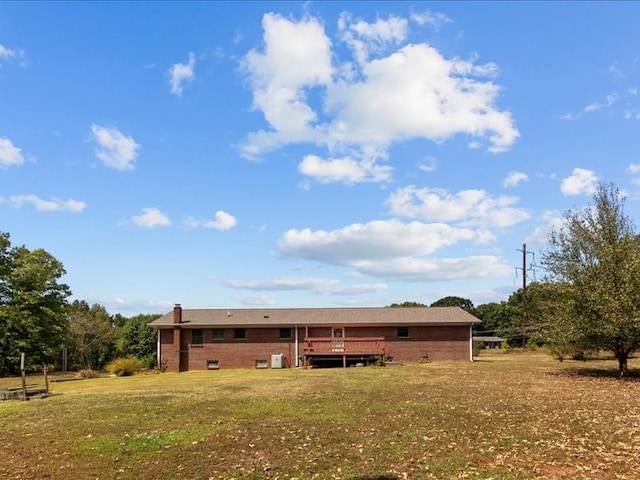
<point x="488" y="339"/>
<point x="274" y="317"/>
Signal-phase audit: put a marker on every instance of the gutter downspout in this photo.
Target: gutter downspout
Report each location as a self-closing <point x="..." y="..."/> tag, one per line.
<point x="471" y="342"/>
<point x="158" y="351"/>
<point x="297" y="349"/>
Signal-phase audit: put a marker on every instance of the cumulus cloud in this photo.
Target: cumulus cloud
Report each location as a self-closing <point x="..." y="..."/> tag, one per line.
<point x="151" y="218"/>
<point x="580" y="182"/>
<point x="297" y="55"/>
<point x="10" y="155"/>
<point x="180" y="73"/>
<point x="51" y="205"/>
<point x="222" y="221"/>
<point x="324" y="286"/>
<point x="344" y="170"/>
<point x="431" y="269"/>
<point x="467" y="207"/>
<point x="365" y="38"/>
<point x="114" y="149"/>
<point x="392" y="250"/>
<point x="392" y="93"/>
<point x="515" y="178"/>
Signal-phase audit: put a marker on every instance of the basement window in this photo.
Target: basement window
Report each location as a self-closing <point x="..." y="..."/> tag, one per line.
<point x="239" y="334"/>
<point x="285" y="334"/>
<point x="262" y="364"/>
<point x="196" y="336"/>
<point x="213" y="364"/>
<point x="403" y="332"/>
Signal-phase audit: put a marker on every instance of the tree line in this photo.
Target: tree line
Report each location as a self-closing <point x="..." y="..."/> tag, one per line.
<point x="36" y="318"/>
<point x="587" y="301"/>
<point x="589" y="297"/>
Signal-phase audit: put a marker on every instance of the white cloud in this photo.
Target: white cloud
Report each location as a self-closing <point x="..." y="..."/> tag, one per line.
<point x="180" y="73"/>
<point x="377" y="239"/>
<point x="296" y="56"/>
<point x="324" y="286"/>
<point x="115" y="149"/>
<point x="467" y="207"/>
<point x="515" y="178"/>
<point x="540" y="236"/>
<point x="10" y="155"/>
<point x="580" y="182"/>
<point x="611" y="99"/>
<point x="418" y="92"/>
<point x="8" y="54"/>
<point x="151" y="218"/>
<point x="614" y="69"/>
<point x="344" y="170"/>
<point x="429" y="164"/>
<point x="222" y="221"/>
<point x="365" y="38"/>
<point x="633" y="114"/>
<point x="255" y="300"/>
<point x="51" y="205"/>
<point x="634" y="170"/>
<point x="433" y="19"/>
<point x="428" y="269"/>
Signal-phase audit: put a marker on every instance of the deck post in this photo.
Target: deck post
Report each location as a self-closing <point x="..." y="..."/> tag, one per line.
<point x="344" y="361"/>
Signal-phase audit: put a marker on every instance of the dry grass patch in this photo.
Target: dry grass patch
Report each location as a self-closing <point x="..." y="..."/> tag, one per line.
<point x="514" y="416"/>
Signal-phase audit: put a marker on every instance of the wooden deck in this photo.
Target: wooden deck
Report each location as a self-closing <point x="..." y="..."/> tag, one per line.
<point x="343" y="349"/>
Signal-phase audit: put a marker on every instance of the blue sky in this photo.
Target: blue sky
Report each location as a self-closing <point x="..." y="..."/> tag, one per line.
<point x="318" y="154"/>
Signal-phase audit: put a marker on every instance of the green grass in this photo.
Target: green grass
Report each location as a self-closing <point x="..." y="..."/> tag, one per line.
<point x="505" y="416"/>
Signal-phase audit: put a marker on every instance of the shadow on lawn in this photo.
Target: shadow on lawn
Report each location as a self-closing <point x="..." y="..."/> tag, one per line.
<point x="595" y="372"/>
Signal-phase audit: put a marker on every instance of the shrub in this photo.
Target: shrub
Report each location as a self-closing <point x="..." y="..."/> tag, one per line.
<point x="477" y="346"/>
<point x="123" y="367"/>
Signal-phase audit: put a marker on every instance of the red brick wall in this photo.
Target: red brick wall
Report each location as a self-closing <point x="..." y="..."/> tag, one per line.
<point x="439" y="343"/>
<point x="260" y="344"/>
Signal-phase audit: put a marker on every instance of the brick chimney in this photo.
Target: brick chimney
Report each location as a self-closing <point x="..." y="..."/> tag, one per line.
<point x="177" y="313"/>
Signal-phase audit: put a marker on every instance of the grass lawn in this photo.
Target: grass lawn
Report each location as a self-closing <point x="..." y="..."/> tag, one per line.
<point x="505" y="416"/>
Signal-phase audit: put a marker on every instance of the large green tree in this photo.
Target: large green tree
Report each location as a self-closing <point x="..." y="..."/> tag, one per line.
<point x="32" y="304"/>
<point x="463" y="303"/>
<point x="595" y="258"/>
<point x="92" y="335"/>
<point x="135" y="337"/>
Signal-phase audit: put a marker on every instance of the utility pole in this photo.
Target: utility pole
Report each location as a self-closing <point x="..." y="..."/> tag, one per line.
<point x="524" y="269"/>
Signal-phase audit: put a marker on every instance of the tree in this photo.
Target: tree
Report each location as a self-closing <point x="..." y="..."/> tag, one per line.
<point x="92" y="335"/>
<point x="463" y="303"/>
<point x="595" y="259"/>
<point x="495" y="319"/>
<point x="32" y="303"/>
<point x="135" y="337"/>
<point x="407" y="305"/>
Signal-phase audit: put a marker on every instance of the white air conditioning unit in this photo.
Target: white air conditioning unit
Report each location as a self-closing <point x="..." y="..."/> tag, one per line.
<point x="277" y="361"/>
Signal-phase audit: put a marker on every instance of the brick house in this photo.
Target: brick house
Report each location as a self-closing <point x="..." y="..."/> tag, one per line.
<point x="276" y="338"/>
